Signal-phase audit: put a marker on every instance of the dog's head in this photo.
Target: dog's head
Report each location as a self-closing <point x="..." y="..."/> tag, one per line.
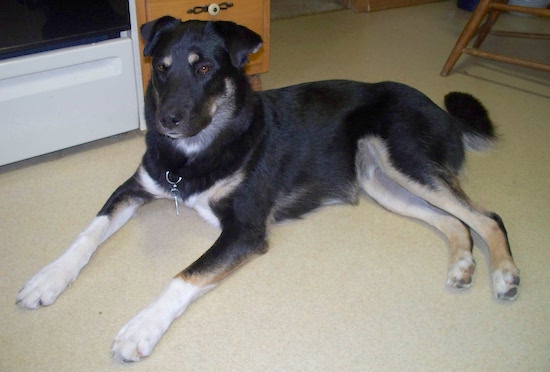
<point x="196" y="70"/>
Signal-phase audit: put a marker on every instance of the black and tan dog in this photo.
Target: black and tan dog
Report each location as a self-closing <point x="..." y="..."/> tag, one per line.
<point x="245" y="160"/>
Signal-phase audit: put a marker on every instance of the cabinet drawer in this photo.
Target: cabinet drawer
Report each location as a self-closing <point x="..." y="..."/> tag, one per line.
<point x="253" y="14"/>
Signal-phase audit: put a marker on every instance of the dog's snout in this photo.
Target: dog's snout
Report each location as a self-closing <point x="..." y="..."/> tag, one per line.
<point x="170" y="120"/>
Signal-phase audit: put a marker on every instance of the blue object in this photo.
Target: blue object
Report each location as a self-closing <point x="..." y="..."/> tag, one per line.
<point x="468" y="5"/>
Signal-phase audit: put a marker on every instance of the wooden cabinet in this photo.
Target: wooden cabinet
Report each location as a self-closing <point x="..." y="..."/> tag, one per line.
<point x="253" y="14"/>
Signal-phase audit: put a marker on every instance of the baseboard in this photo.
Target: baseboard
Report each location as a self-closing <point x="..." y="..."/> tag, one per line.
<point x="374" y="5"/>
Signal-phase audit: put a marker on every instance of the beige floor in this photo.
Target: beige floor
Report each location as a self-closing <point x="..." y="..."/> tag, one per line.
<point x="348" y="289"/>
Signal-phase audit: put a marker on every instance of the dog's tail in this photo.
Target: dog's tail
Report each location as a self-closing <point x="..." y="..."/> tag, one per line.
<point x="478" y="132"/>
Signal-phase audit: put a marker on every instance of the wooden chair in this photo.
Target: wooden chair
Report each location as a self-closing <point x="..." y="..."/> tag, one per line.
<point x="490" y="11"/>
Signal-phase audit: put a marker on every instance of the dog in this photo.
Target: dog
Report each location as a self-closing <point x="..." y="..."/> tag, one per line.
<point x="245" y="160"/>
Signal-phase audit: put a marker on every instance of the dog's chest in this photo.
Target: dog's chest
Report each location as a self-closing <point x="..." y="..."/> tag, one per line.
<point x="202" y="202"/>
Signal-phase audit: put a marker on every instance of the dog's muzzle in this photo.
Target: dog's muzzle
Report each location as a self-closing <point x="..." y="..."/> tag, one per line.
<point x="176" y="124"/>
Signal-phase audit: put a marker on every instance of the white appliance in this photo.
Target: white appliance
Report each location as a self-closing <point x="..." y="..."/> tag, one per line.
<point x="65" y="97"/>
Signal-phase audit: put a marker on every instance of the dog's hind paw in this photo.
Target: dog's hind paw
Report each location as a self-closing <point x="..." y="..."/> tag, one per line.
<point x="44" y="288"/>
<point x="461" y="272"/>
<point x="505" y="282"/>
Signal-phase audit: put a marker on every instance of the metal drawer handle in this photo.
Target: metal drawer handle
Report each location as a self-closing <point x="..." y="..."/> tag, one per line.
<point x="212" y="9"/>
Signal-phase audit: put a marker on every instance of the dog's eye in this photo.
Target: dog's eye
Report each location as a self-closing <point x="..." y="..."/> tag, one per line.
<point x="203" y="69"/>
<point x="161" y="68"/>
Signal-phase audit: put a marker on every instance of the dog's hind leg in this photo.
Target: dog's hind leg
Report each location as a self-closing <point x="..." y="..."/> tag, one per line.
<point x="449" y="197"/>
<point x="235" y="247"/>
<point x="44" y="288"/>
<point x="389" y="194"/>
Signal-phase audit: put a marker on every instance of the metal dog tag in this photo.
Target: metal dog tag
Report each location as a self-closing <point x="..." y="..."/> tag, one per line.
<point x="174" y="192"/>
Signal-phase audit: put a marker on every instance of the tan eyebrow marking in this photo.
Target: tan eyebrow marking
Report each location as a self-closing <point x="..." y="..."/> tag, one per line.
<point x="192" y="58"/>
<point x="167" y="61"/>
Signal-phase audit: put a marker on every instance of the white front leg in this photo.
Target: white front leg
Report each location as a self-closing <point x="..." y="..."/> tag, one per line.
<point x="44" y="288"/>
<point x="139" y="336"/>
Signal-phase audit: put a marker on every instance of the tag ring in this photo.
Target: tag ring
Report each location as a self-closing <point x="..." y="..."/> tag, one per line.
<point x="174" y="184"/>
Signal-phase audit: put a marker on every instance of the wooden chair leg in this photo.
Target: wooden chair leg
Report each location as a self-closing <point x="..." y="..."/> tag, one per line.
<point x="487" y="26"/>
<point x="467" y="34"/>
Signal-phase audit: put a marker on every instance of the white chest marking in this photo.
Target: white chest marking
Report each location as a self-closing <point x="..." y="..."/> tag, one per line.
<point x="202" y="202"/>
<point x="150" y="185"/>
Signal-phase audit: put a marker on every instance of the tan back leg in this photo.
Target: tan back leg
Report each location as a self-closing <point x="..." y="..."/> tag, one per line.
<point x="449" y="197"/>
<point x="397" y="199"/>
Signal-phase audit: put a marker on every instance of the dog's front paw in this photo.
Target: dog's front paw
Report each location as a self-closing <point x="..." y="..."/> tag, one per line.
<point x="44" y="288"/>
<point x="506" y="281"/>
<point x="138" y="337"/>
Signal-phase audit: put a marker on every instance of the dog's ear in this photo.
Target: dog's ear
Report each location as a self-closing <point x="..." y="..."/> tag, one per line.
<point x="240" y="41"/>
<point x="152" y="32"/>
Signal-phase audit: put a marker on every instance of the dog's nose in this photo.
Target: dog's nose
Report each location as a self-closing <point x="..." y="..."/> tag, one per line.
<point x="170" y="119"/>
